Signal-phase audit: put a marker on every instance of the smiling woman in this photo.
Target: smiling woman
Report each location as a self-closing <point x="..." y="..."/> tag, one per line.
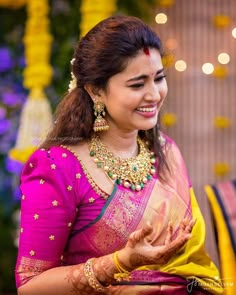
<point x="107" y="205"/>
<point x="133" y="97"/>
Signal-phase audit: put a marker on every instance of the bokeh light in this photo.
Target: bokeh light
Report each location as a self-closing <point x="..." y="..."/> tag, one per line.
<point x="223" y="58"/>
<point x="161" y="18"/>
<point x="207" y="68"/>
<point x="171" y="43"/>
<point x="234" y="33"/>
<point x="180" y="65"/>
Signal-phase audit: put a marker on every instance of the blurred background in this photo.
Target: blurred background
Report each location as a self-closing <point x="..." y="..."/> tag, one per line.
<point x="37" y="38"/>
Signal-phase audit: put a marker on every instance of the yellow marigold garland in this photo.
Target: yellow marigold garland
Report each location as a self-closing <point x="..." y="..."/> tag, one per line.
<point x="36" y="117"/>
<point x="93" y="12"/>
<point x="37" y="40"/>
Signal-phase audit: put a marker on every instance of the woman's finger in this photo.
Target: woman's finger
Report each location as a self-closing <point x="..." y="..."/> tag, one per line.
<point x="189" y="226"/>
<point x="178" y="243"/>
<point x="169" y="233"/>
<point x="140" y="234"/>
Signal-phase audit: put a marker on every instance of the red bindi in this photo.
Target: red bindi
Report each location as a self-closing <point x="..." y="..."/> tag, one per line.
<point x="146" y="50"/>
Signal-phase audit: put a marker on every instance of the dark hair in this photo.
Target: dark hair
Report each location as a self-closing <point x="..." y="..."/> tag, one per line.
<point x="103" y="52"/>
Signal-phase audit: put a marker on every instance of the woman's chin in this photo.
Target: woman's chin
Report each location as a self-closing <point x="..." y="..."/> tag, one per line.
<point x="149" y="125"/>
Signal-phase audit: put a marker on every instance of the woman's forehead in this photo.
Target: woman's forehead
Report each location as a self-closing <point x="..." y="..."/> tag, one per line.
<point x="146" y="58"/>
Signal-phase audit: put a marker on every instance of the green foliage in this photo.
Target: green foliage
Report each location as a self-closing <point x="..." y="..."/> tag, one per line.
<point x="65" y="20"/>
<point x="11" y="25"/>
<point x="141" y="9"/>
<point x="7" y="252"/>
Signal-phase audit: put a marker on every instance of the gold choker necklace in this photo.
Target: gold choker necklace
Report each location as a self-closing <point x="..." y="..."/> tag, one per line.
<point x="133" y="172"/>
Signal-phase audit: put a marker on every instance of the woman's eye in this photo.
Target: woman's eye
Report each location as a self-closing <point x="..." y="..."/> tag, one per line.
<point x="136" y="85"/>
<point x="160" y="78"/>
<point x="139" y="85"/>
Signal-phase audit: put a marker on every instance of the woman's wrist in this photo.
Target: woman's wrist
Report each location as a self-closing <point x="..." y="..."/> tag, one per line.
<point x="123" y="273"/>
<point x="92" y="279"/>
<point x="110" y="268"/>
<point x="104" y="269"/>
<point x="124" y="261"/>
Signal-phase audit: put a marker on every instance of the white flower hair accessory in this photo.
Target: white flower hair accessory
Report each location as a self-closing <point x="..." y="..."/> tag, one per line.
<point x="73" y="81"/>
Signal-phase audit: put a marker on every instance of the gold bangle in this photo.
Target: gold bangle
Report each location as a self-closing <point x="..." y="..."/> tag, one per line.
<point x="123" y="274"/>
<point x="92" y="280"/>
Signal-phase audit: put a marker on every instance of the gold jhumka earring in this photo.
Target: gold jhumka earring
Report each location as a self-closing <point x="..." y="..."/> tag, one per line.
<point x="100" y="123"/>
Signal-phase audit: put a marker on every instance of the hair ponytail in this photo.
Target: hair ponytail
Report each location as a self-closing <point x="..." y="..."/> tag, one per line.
<point x="73" y="119"/>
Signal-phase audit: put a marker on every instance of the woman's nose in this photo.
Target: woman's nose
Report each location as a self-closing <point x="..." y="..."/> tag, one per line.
<point x="153" y="94"/>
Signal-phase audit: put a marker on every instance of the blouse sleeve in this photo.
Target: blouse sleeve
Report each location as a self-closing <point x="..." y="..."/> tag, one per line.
<point x="48" y="210"/>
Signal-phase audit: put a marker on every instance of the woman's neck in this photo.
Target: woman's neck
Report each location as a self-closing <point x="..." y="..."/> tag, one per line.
<point x="123" y="145"/>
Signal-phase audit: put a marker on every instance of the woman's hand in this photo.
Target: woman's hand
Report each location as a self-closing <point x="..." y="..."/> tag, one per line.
<point x="138" y="250"/>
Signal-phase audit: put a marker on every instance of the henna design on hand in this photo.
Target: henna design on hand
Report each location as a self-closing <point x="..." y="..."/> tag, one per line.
<point x="104" y="269"/>
<point x="138" y="260"/>
<point x="139" y="235"/>
<point x="157" y="254"/>
<point x="75" y="277"/>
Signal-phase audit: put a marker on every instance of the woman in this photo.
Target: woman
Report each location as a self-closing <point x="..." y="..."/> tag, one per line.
<point x="107" y="206"/>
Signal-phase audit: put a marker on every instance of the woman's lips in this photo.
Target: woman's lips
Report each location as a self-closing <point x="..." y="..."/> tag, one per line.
<point x="147" y="112"/>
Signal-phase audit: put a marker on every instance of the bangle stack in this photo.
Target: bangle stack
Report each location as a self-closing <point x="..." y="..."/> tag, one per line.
<point x="124" y="274"/>
<point x="92" y="280"/>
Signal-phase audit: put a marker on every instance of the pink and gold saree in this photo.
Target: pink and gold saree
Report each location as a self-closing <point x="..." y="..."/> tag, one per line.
<point x="190" y="270"/>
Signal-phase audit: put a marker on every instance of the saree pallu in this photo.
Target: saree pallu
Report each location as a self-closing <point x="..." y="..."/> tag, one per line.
<point x="190" y="271"/>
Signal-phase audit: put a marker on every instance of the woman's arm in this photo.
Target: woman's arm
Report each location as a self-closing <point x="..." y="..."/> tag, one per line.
<point x="69" y="280"/>
<point x="137" y="252"/>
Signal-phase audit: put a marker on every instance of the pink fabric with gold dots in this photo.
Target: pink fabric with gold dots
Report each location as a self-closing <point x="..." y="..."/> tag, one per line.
<point x="51" y="207"/>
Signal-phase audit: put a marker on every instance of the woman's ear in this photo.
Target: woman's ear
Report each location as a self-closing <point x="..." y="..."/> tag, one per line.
<point x="92" y="91"/>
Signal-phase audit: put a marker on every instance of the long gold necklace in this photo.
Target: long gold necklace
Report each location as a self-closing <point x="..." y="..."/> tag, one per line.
<point x="132" y="172"/>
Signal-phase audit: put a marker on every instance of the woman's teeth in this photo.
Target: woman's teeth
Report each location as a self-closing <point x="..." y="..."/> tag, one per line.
<point x="146" y="109"/>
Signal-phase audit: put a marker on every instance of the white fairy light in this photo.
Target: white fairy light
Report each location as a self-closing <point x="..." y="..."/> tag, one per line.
<point x="223" y="58"/>
<point x="161" y="18"/>
<point x="180" y="65"/>
<point x="234" y="33"/>
<point x="207" y="68"/>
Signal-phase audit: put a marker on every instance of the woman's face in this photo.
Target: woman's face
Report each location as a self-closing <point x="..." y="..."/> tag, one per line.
<point x="133" y="97"/>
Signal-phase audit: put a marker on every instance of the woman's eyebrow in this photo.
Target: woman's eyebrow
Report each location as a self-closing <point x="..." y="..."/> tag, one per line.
<point x="143" y="76"/>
